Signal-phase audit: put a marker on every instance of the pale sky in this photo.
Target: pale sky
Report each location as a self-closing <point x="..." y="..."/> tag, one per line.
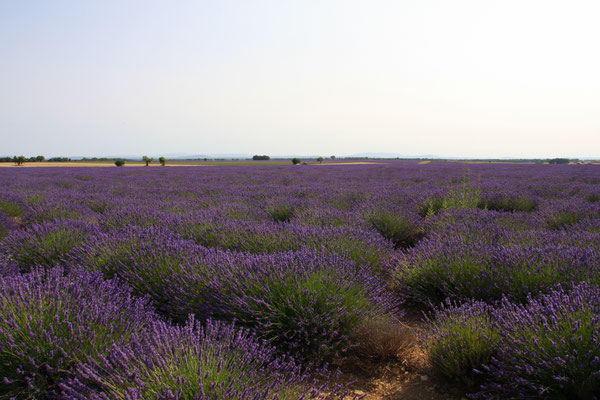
<point x="451" y="78"/>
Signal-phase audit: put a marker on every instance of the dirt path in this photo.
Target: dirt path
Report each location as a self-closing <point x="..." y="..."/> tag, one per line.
<point x="408" y="376"/>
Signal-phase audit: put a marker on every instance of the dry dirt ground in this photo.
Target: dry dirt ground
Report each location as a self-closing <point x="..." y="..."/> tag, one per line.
<point x="407" y="376"/>
<point x="398" y="380"/>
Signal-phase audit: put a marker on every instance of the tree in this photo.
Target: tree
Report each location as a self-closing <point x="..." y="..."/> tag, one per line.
<point x="40" y="158"/>
<point x="320" y="159"/>
<point x="147" y="160"/>
<point x="261" y="157"/>
<point x="333" y="157"/>
<point x="19" y="160"/>
<point x="119" y="163"/>
<point x="296" y="161"/>
<point x="162" y="161"/>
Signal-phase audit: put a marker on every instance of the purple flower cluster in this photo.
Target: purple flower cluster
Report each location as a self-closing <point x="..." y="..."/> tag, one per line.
<point x="46" y="244"/>
<point x="305" y="302"/>
<point x="192" y="361"/>
<point x="77" y="336"/>
<point x="462" y="270"/>
<point x="548" y="347"/>
<point x="49" y="322"/>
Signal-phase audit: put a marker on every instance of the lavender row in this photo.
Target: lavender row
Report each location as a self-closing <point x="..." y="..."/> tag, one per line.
<point x="77" y="336"/>
<point x="546" y="348"/>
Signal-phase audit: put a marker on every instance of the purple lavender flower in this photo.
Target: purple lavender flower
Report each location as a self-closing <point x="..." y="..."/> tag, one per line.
<point x="50" y="321"/>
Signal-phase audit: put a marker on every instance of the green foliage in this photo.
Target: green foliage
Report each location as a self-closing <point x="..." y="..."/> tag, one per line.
<point x="563" y="219"/>
<point x="430" y="207"/>
<point x="593" y="197"/>
<point x="280" y="212"/>
<point x="320" y="159"/>
<point x="296" y="161"/>
<point x="264" y="158"/>
<point x="147" y="160"/>
<point x="467" y="196"/>
<point x="44" y="247"/>
<point x="19" y="160"/>
<point x="162" y="161"/>
<point x="119" y="163"/>
<point x="397" y="229"/>
<point x="461" y="339"/>
<point x="50" y="323"/>
<point x="11" y="208"/>
<point x="503" y="203"/>
<point x="297" y="311"/>
<point x="59" y="159"/>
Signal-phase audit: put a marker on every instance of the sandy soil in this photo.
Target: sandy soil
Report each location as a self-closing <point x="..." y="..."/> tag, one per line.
<point x="409" y="377"/>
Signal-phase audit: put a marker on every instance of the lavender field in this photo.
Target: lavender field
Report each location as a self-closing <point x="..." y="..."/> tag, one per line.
<point x="256" y="282"/>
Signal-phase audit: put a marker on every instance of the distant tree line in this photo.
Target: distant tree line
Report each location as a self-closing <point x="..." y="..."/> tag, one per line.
<point x="261" y="158"/>
<point x="96" y="159"/>
<point x="22" y="159"/>
<point x="559" y="161"/>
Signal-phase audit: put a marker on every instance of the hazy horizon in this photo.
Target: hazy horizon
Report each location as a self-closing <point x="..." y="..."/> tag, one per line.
<point x="464" y="79"/>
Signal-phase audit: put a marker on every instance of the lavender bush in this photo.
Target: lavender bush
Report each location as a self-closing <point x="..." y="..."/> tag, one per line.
<point x="306" y="257"/>
<point x="50" y="322"/>
<point x="193" y="361"/>
<point x="44" y="244"/>
<point x="461" y="339"/>
<point x="549" y="348"/>
<point x="303" y="302"/>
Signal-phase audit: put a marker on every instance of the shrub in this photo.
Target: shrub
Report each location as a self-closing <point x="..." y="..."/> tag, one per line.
<point x="549" y="348"/>
<point x="12" y="207"/>
<point x="593" y="197"/>
<point x="162" y="161"/>
<point x="119" y="163"/>
<point x="296" y="161"/>
<point x="431" y="206"/>
<point x="302" y="302"/>
<point x="398" y="229"/>
<point x="460" y="340"/>
<point x="6" y="225"/>
<point x="563" y="219"/>
<point x="50" y="322"/>
<point x="508" y="203"/>
<point x="308" y="313"/>
<point x="280" y="212"/>
<point x="436" y="270"/>
<point x="381" y="340"/>
<point x="361" y="246"/>
<point x="45" y="244"/>
<point x="467" y="196"/>
<point x="194" y="361"/>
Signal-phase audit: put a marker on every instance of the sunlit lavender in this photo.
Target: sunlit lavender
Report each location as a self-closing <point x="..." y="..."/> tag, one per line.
<point x="251" y="281"/>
